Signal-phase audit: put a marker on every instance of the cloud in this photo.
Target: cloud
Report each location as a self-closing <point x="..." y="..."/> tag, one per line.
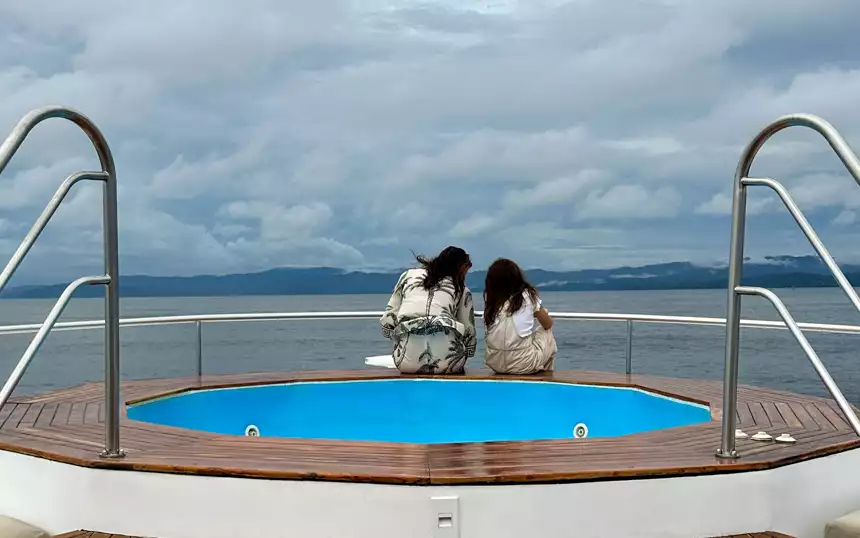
<point x="720" y="204"/>
<point x="34" y="187"/>
<point x="845" y="218"/>
<point x="656" y="147"/>
<point x="816" y="191"/>
<point x="335" y="132"/>
<point x="556" y="191"/>
<point x="629" y="202"/>
<point x="473" y="226"/>
<point x="277" y="222"/>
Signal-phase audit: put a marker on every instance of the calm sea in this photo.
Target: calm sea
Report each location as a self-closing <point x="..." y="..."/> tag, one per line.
<point x="769" y="358"/>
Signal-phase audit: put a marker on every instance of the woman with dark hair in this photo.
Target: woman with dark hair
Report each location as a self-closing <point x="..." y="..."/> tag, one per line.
<point x="430" y="316"/>
<point x="515" y="344"/>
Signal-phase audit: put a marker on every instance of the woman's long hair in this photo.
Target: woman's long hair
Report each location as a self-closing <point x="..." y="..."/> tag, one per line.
<point x="449" y="263"/>
<point x="505" y="282"/>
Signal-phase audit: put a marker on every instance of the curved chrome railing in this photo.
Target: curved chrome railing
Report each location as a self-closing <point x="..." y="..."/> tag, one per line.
<point x="110" y="279"/>
<point x="736" y="256"/>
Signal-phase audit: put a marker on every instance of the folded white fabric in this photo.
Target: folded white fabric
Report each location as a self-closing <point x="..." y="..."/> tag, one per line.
<point x="384" y="361"/>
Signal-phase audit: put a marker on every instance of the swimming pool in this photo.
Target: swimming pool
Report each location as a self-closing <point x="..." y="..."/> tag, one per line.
<point x="422" y="410"/>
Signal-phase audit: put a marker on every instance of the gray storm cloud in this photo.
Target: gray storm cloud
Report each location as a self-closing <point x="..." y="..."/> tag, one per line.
<point x="564" y="134"/>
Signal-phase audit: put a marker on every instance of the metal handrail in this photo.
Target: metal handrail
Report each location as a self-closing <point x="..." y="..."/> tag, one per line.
<point x="111" y="247"/>
<point x="629" y="319"/>
<point x="42" y="221"/>
<point x="807" y="349"/>
<point x="810" y="234"/>
<point x="359" y="315"/>
<point x="736" y="251"/>
<point x="43" y="332"/>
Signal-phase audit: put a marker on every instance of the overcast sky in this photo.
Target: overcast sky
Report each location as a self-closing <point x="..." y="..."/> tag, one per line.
<point x="263" y="133"/>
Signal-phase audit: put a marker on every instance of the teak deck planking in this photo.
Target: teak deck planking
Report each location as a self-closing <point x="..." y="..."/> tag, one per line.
<point x="68" y="426"/>
<point x="91" y="534"/>
<point x="770" y="534"/>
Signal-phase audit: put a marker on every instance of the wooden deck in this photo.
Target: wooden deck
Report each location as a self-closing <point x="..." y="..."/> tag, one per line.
<point x="67" y="426"/>
<point x="91" y="534"/>
<point x="749" y="535"/>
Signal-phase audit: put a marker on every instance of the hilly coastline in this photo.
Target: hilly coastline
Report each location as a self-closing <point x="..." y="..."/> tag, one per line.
<point x="773" y="272"/>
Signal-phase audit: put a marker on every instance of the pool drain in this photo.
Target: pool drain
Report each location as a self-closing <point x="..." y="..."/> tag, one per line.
<point x="580" y="431"/>
<point x="252" y="431"/>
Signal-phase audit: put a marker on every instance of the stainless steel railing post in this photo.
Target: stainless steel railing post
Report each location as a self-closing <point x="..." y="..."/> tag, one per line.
<point x="112" y="314"/>
<point x="111" y="246"/>
<point x="736" y="250"/>
<point x="198" y="325"/>
<point x="733" y="301"/>
<point x="629" y="348"/>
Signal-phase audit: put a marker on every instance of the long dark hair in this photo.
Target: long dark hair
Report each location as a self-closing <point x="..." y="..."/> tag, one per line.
<point x="505" y="282"/>
<point x="449" y="263"/>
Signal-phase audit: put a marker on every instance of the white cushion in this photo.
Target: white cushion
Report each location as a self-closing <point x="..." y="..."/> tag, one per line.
<point x="847" y="526"/>
<point x="385" y="361"/>
<point x="13" y="528"/>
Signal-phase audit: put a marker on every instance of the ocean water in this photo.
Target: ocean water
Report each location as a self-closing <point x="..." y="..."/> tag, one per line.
<point x="769" y="358"/>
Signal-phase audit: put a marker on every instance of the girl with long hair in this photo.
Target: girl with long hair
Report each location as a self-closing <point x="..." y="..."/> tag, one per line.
<point x="430" y="316"/>
<point x="519" y="337"/>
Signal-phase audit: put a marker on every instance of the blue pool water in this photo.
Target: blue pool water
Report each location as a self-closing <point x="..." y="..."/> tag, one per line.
<point x="422" y="410"/>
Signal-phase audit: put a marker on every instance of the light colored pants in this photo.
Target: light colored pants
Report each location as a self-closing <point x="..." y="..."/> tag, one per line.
<point x="428" y="354"/>
<point x="537" y="354"/>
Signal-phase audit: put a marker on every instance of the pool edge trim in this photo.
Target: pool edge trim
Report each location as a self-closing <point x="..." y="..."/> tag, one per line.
<point x="678" y="398"/>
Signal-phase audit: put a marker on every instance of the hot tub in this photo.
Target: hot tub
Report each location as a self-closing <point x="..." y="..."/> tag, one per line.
<point x="428" y="411"/>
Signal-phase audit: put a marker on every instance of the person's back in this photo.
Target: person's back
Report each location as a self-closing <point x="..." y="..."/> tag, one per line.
<point x="430" y="316"/>
<point x="417" y="301"/>
<point x="518" y="338"/>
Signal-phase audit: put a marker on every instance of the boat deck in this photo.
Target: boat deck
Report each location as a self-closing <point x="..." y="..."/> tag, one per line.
<point x="67" y="426"/>
<point x="91" y="534"/>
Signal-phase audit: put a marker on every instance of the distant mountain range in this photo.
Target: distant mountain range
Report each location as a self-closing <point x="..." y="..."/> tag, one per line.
<point x="773" y="272"/>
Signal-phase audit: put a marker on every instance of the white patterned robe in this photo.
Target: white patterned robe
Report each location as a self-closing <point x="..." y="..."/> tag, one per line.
<point x="433" y="330"/>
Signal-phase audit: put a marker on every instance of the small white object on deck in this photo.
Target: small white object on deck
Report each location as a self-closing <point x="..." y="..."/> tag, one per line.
<point x="761" y="436"/>
<point x="785" y="438"/>
<point x="384" y="361"/>
<point x="739" y="434"/>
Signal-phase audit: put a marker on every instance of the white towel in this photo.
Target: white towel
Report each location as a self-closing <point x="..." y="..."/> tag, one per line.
<point x="385" y="361"/>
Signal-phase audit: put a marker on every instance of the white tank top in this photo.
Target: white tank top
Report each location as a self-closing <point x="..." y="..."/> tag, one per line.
<point x="524" y="318"/>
